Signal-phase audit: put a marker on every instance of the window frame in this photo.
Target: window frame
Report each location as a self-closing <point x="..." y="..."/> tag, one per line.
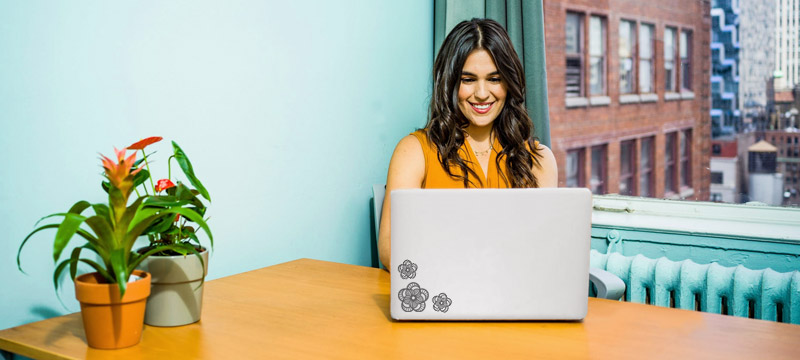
<point x="604" y="54"/>
<point x="651" y="59"/>
<point x="633" y="56"/>
<point x="581" y="175"/>
<point x="685" y="74"/>
<point x="673" y="80"/>
<point x="671" y="163"/>
<point x="602" y="183"/>
<point x="580" y="55"/>
<point x="648" y="171"/>
<point x="685" y="159"/>
<point x="630" y="176"/>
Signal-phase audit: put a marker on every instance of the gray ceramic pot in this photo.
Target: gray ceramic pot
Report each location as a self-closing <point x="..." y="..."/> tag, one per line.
<point x="176" y="296"/>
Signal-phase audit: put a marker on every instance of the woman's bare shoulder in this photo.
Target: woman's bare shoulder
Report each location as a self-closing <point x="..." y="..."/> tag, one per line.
<point x="546" y="172"/>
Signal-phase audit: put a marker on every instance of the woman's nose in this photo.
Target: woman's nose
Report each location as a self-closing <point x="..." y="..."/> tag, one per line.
<point x="481" y="92"/>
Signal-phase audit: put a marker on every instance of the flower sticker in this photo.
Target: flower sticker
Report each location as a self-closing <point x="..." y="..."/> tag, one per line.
<point x="441" y="302"/>
<point x="413" y="298"/>
<point x="163" y="184"/>
<point x="408" y="270"/>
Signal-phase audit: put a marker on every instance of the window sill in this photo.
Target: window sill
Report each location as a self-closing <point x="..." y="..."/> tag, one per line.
<point x="687" y="192"/>
<point x="646" y="98"/>
<point x="629" y="99"/>
<point x="687" y="95"/>
<point x="766" y="223"/>
<point x="574" y="102"/>
<point x="670" y="96"/>
<point x="599" y="100"/>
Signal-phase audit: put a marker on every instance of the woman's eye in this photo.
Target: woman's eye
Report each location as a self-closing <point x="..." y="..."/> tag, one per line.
<point x="495" y="80"/>
<point x="467" y="80"/>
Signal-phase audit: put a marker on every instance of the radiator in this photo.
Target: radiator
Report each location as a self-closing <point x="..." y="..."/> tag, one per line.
<point x="739" y="291"/>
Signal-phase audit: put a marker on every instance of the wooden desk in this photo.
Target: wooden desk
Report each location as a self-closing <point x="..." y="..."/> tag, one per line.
<point x="316" y="309"/>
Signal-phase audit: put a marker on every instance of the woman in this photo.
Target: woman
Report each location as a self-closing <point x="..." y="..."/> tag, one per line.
<point x="478" y="134"/>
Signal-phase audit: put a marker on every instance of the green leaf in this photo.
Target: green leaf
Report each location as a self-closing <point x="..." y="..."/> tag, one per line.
<point x="186" y="166"/>
<point x="129" y="214"/>
<point x="102" y="211"/>
<point x="103" y="230"/>
<point x="140" y="177"/>
<point x="181" y="248"/>
<point x="119" y="265"/>
<point x="65" y="231"/>
<point x="105" y="185"/>
<point x="73" y="265"/>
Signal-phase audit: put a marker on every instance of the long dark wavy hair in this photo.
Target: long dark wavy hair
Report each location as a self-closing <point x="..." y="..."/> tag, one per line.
<point x="513" y="127"/>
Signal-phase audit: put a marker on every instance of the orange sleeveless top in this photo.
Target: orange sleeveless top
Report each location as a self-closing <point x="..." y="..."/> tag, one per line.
<point x="437" y="178"/>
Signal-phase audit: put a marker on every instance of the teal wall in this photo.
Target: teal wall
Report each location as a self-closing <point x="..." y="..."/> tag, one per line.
<point x="289" y="111"/>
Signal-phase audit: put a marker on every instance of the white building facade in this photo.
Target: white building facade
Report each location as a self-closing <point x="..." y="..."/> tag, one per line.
<point x="787" y="43"/>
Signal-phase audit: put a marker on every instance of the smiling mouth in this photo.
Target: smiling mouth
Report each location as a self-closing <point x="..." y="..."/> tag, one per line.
<point x="482" y="108"/>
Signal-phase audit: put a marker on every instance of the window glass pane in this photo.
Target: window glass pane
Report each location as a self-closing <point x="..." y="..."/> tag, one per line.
<point x="669" y="44"/>
<point x="597" y="76"/>
<point x="670" y="148"/>
<point x="684" y="43"/>
<point x="645" y="41"/>
<point x="626" y="168"/>
<point x="572" y="31"/>
<point x="625" y="48"/>
<point x="572" y="168"/>
<point x="645" y="76"/>
<point x="596" y="36"/>
<point x="598" y="170"/>
<point x="645" y="167"/>
<point x="573" y="80"/>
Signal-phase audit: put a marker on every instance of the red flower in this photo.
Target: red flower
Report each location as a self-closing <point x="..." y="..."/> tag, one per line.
<point x="177" y="217"/>
<point x="141" y="144"/>
<point x="163" y="184"/>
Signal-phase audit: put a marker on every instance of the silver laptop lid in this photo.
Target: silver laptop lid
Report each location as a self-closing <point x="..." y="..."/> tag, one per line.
<point x="490" y="254"/>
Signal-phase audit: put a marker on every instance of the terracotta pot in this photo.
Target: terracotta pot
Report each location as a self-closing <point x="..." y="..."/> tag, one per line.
<point x="176" y="296"/>
<point x="111" y="322"/>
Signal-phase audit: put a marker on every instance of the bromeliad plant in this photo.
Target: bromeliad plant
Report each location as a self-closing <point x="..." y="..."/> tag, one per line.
<point x="113" y="228"/>
<point x="172" y="235"/>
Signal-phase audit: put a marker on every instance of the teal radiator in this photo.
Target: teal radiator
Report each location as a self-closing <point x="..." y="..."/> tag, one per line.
<point x="739" y="291"/>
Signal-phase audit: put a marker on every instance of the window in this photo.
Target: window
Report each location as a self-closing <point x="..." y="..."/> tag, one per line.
<point x="627" y="39"/>
<point x="626" y="180"/>
<point x="686" y="63"/>
<point x="646" y="167"/>
<point x="716" y="177"/>
<point x="597" y="56"/>
<point x="686" y="158"/>
<point x="574" y="50"/>
<point x="716" y="149"/>
<point x="669" y="59"/>
<point x="646" y="52"/>
<point x="669" y="164"/>
<point x="716" y="197"/>
<point x="575" y="168"/>
<point x="598" y="180"/>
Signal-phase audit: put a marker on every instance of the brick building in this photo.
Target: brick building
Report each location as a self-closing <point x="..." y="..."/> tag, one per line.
<point x="628" y="85"/>
<point x="787" y="143"/>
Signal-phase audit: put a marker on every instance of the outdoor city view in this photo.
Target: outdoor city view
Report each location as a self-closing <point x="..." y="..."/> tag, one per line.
<point x="683" y="102"/>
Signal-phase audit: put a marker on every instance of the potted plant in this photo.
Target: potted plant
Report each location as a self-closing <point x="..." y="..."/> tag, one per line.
<point x="177" y="278"/>
<point x="113" y="297"/>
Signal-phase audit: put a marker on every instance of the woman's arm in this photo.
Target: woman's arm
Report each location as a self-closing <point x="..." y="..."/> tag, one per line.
<point x="547" y="172"/>
<point x="406" y="171"/>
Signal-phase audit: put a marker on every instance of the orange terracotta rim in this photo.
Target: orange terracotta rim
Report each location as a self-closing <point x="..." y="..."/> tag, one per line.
<point x="91" y="288"/>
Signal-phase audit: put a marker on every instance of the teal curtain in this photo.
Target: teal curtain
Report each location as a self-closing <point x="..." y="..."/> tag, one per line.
<point x="524" y="21"/>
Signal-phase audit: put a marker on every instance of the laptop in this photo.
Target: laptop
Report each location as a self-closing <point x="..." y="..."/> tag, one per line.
<point x="490" y="254"/>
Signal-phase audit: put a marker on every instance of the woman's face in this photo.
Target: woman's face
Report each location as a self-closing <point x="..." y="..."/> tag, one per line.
<point x="481" y="93"/>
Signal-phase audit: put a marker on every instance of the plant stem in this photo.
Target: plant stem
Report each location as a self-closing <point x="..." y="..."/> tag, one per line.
<point x="148" y="170"/>
<point x="169" y="166"/>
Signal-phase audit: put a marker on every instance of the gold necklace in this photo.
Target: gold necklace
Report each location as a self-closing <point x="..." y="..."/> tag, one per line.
<point x="484" y="152"/>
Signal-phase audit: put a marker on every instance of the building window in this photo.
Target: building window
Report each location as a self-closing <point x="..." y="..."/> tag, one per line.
<point x="670" y="166"/>
<point x="627" y="39"/>
<point x="574" y="51"/>
<point x="716" y="197"/>
<point x="716" y="177"/>
<point x="646" y="52"/>
<point x="686" y="63"/>
<point x="646" y="167"/>
<point x="575" y="168"/>
<point x="597" y="56"/>
<point x="598" y="179"/>
<point x="626" y="179"/>
<point x="686" y="158"/>
<point x="669" y="59"/>
<point x="716" y="149"/>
